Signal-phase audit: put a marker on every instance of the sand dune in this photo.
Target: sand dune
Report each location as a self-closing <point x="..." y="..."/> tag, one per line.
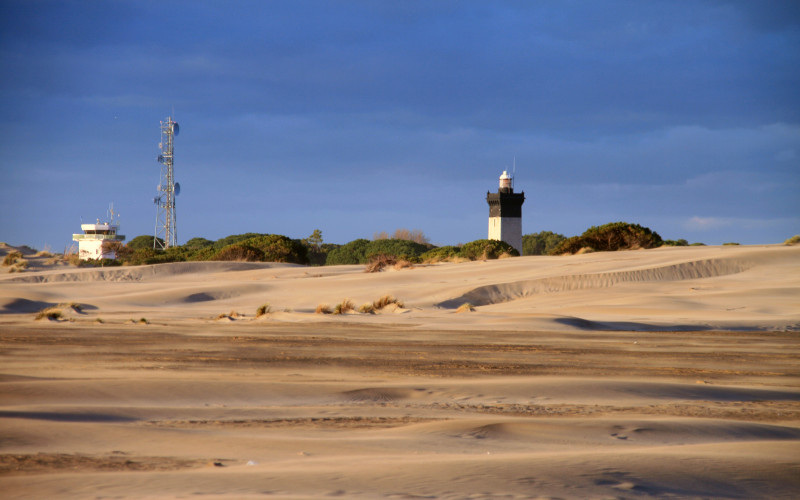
<point x="660" y="373"/>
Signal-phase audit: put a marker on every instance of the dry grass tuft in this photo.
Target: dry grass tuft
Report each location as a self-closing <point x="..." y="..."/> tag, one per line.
<point x="385" y="301"/>
<point x="377" y="263"/>
<point x="262" y="310"/>
<point x="51" y="313"/>
<point x="72" y="305"/>
<point x="403" y="264"/>
<point x="43" y="253"/>
<point x="344" y="307"/>
<point x="71" y="256"/>
<point x="230" y="315"/>
<point x="380" y="262"/>
<point x="367" y="309"/>
<point x="465" y="307"/>
<point x="12" y="257"/>
<point x="794" y="240"/>
<point x="323" y="309"/>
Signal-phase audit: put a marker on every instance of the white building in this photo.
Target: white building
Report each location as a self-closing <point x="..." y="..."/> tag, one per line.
<point x="98" y="240"/>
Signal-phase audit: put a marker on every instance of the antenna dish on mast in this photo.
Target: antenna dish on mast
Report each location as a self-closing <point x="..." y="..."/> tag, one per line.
<point x="175" y="128"/>
<point x="177" y="188"/>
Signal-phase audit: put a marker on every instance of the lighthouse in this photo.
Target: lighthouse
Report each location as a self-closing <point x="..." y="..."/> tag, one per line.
<point x="505" y="213"/>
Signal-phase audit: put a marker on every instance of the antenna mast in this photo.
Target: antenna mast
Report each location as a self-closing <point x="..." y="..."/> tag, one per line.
<point x="168" y="189"/>
<point x="514" y="172"/>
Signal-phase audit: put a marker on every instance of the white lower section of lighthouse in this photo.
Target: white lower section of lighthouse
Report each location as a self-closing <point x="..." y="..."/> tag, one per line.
<point x="508" y="229"/>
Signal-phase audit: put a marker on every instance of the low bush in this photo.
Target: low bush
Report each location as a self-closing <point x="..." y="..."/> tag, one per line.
<point x="676" y="243"/>
<point x="354" y="252"/>
<point x="144" y="241"/>
<point x="610" y="237"/>
<point x="197" y="244"/>
<point x="486" y="249"/>
<point x="399" y="248"/>
<point x="730" y="243"/>
<point x="361" y="250"/>
<point x="323" y="309"/>
<point x="239" y="252"/>
<point x="794" y="240"/>
<point x="278" y="248"/>
<point x="440" y="254"/>
<point x="541" y="243"/>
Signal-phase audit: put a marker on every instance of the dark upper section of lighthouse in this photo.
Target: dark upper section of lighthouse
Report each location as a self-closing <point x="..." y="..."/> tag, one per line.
<point x="505" y="202"/>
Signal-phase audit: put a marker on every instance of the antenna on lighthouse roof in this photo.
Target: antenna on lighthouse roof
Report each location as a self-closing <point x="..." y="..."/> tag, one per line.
<point x="513" y="172"/>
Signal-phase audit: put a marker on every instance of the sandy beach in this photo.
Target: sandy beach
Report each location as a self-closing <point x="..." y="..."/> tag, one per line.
<point x="670" y="373"/>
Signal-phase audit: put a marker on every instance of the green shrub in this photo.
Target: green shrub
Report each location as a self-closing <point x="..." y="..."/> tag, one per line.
<point x="730" y="243"/>
<point x="486" y="249"/>
<point x="234" y="238"/>
<point x="610" y="237"/>
<point x="401" y="249"/>
<point x="354" y="252"/>
<point x="143" y="241"/>
<point x="676" y="243"/>
<point x="197" y="244"/>
<point x="239" y="252"/>
<point x="279" y="248"/>
<point x="360" y="251"/>
<point x="99" y="263"/>
<point x="794" y="240"/>
<point x="541" y="243"/>
<point x="440" y="254"/>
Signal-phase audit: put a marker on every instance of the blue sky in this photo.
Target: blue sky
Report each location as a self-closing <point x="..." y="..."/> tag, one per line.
<point x="356" y="117"/>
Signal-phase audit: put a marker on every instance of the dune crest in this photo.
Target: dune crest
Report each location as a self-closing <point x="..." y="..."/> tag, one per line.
<point x="505" y="292"/>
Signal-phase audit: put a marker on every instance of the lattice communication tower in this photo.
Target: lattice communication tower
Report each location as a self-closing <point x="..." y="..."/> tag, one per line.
<point x="168" y="189"/>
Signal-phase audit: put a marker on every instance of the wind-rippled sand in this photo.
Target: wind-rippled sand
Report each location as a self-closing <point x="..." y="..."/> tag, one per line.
<point x="661" y="373"/>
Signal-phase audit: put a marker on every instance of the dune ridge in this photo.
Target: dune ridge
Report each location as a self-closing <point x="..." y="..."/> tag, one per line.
<point x="143" y="273"/>
<point x="505" y="292"/>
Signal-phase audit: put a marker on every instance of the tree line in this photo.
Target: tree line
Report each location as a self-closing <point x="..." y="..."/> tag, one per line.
<point x="412" y="246"/>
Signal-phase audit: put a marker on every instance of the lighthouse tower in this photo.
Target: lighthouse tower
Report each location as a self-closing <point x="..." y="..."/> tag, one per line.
<point x="505" y="213"/>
